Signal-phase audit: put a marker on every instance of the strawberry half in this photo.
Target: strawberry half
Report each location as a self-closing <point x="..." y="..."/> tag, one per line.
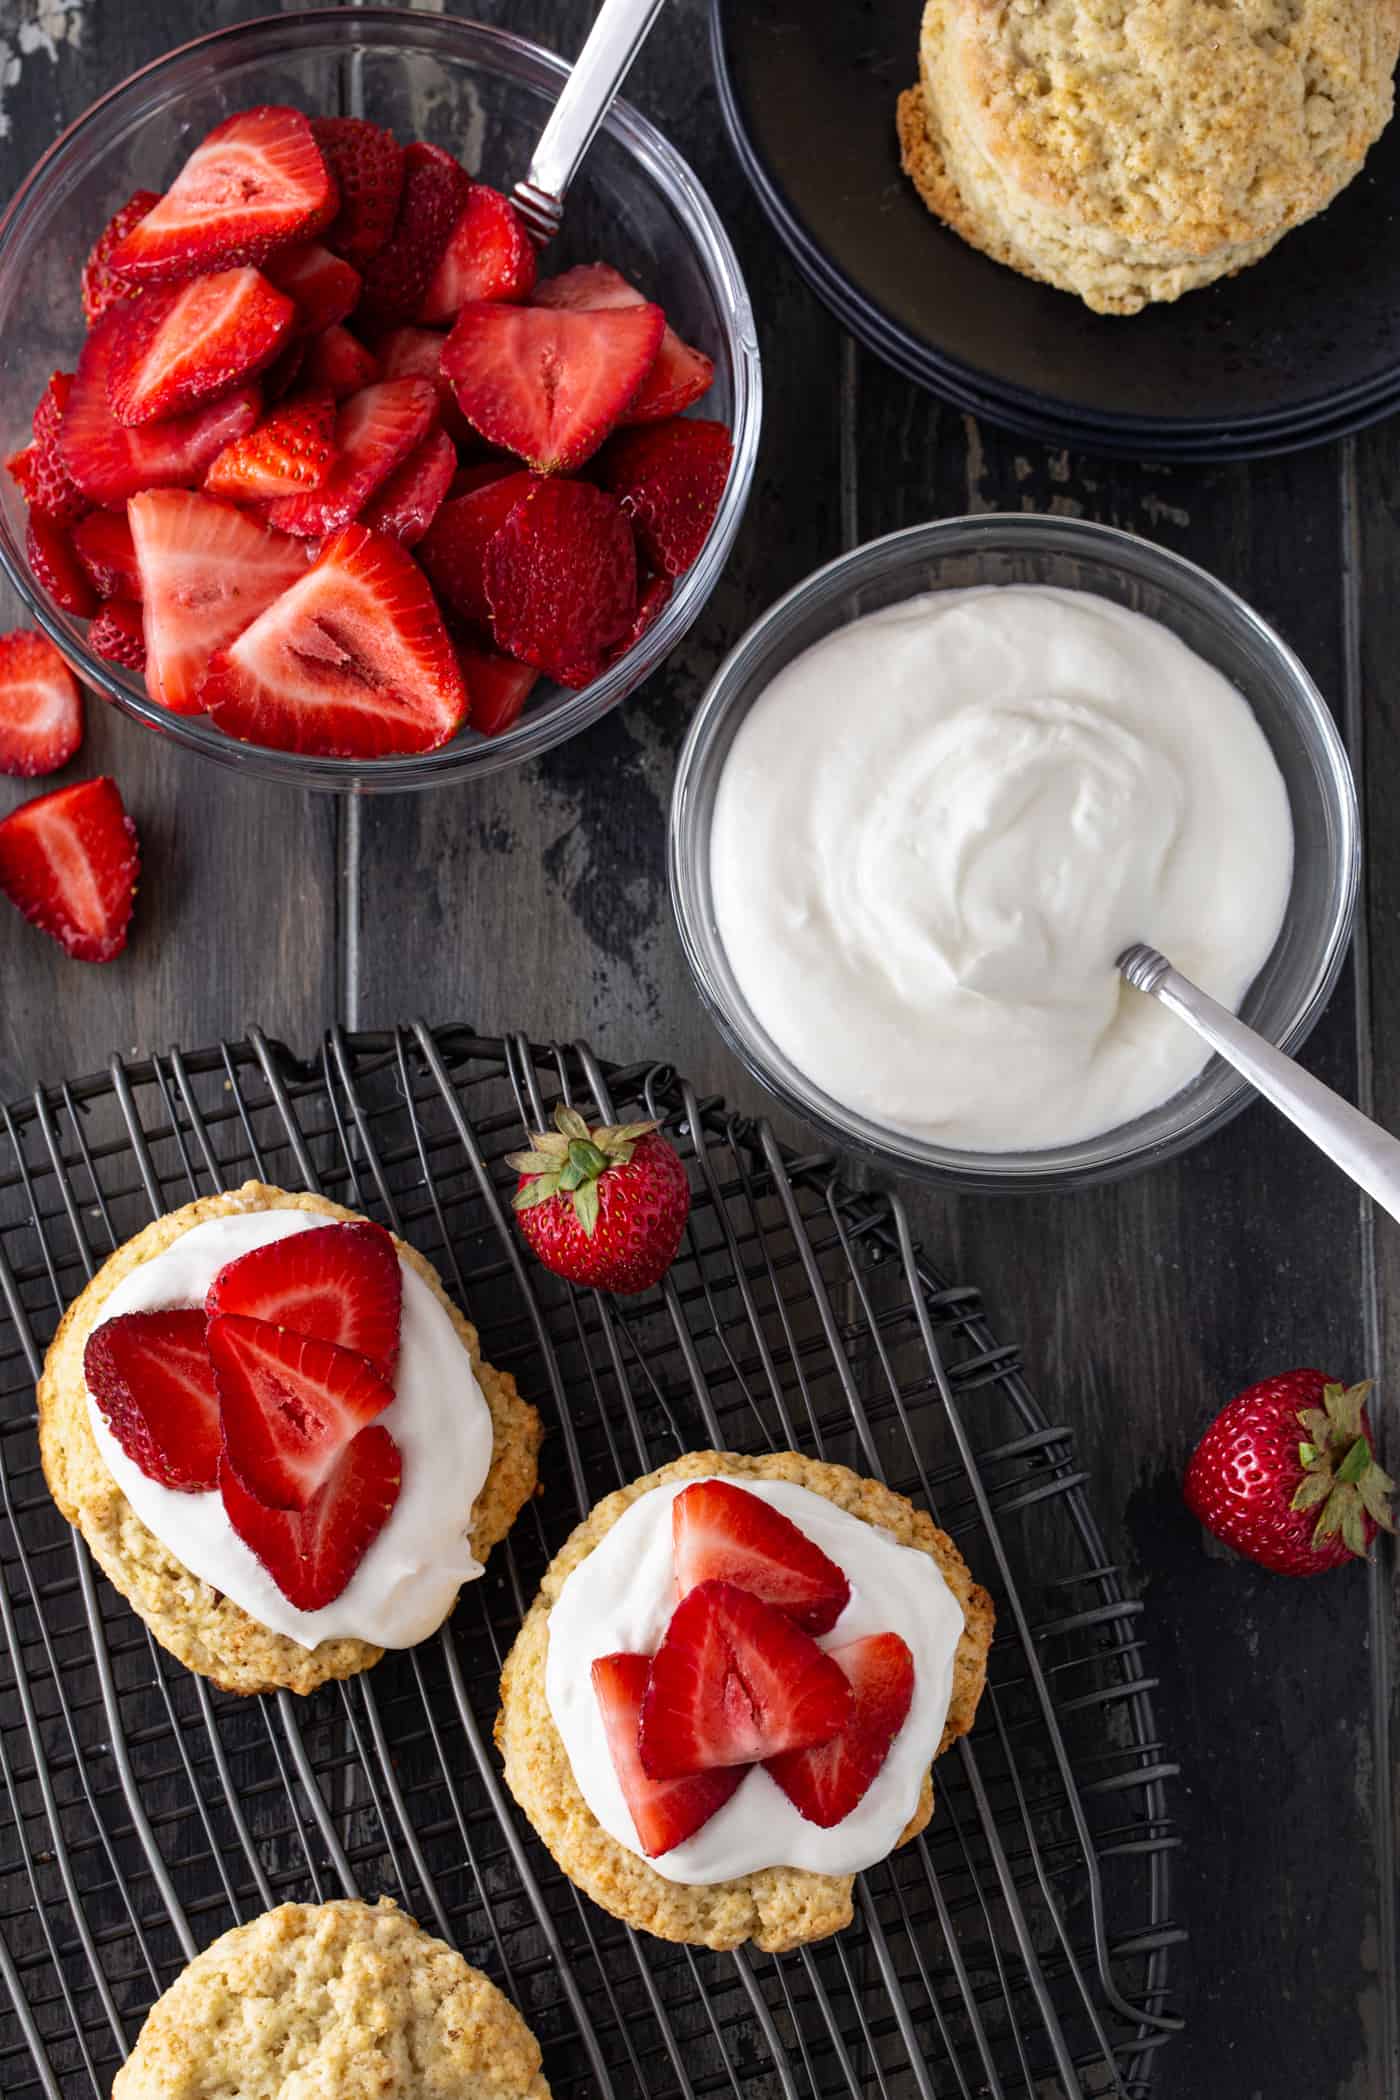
<point x="103" y="544"/>
<point x="734" y="1682"/>
<point x="290" y="1405"/>
<point x="497" y="687"/>
<point x="435" y="188"/>
<point x="453" y="551"/>
<point x="352" y="662"/>
<point x="291" y="450"/>
<point x="489" y="256"/>
<point x="413" y="495"/>
<point x="374" y="431"/>
<point x="101" y="285"/>
<point x="41" y="709"/>
<point x="665" y="1812"/>
<point x="68" y="861"/>
<point x="416" y="353"/>
<point x="153" y="1382"/>
<point x="549" y="384"/>
<point x="825" y="1783"/>
<point x="338" y="361"/>
<point x="40" y="470"/>
<point x="679" y="375"/>
<point x="175" y="348"/>
<point x="207" y="570"/>
<point x="311" y="1554"/>
<point x="561" y="579"/>
<point x="323" y="287"/>
<point x="118" y="634"/>
<point x="110" y="462"/>
<point x="723" y="1533"/>
<point x="56" y="567"/>
<point x="341" y="1283"/>
<point x="257" y="182"/>
<point x="367" y="165"/>
<point x="669" y="478"/>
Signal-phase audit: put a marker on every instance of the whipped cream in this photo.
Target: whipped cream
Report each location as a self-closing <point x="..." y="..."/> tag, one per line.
<point x="621" y="1598"/>
<point x="938" y="829"/>
<point x="405" y="1585"/>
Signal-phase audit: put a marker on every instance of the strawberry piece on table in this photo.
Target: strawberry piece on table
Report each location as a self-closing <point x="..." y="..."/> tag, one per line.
<point x="257" y="182"/>
<point x="323" y="287"/>
<point x="110" y="462"/>
<point x="339" y="361"/>
<point x="68" y="861"/>
<point x="119" y="634"/>
<point x="735" y="1682"/>
<point x="311" y="1554"/>
<point x="56" y="567"/>
<point x="669" y="478"/>
<point x="665" y="1812"/>
<point x="435" y="187"/>
<point x="489" y="256"/>
<point x="101" y="285"/>
<point x="601" y="1207"/>
<point x="497" y="687"/>
<point x="153" y="1382"/>
<point x="549" y="384"/>
<point x="413" y="495"/>
<point x="826" y="1782"/>
<point x="291" y="450"/>
<point x="367" y="164"/>
<point x="352" y="662"/>
<point x="341" y="1283"/>
<point x="561" y="579"/>
<point x="679" y="375"/>
<point x="207" y="570"/>
<point x="453" y="551"/>
<point x="1287" y="1475"/>
<point x="40" y="470"/>
<point x="175" y="348"/>
<point x="291" y="1403"/>
<point x="723" y="1533"/>
<point x="103" y="544"/>
<point x="41" y="709"/>
<point x="375" y="430"/>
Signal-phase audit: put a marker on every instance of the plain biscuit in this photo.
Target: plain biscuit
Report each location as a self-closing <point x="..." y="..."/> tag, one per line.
<point x="778" y="1907"/>
<point x="201" y="1628"/>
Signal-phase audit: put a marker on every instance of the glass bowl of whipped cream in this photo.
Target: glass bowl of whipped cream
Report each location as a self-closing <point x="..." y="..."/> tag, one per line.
<point x="933" y="794"/>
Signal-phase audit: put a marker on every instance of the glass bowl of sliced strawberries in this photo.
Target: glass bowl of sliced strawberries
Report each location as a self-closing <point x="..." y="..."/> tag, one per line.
<point x="329" y="475"/>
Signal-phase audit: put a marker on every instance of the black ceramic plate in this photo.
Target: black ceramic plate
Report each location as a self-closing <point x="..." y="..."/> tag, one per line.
<point x="1301" y="345"/>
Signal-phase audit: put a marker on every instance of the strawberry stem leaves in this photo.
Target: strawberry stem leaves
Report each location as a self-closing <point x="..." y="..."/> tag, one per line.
<point x="571" y="1160"/>
<point x="1341" y="1479"/>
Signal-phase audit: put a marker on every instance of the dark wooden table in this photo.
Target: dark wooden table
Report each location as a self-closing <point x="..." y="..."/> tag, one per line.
<point x="538" y="900"/>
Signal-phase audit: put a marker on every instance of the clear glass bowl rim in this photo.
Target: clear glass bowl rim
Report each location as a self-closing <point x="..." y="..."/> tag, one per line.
<point x="1113" y="1154"/>
<point x="341" y="28"/>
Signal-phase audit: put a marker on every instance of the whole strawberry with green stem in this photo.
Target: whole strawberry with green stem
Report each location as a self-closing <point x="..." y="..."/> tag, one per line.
<point x="604" y="1207"/>
<point x="1287" y="1475"/>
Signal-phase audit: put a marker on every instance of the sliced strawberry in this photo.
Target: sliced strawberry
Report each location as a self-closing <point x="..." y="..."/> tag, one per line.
<point x="41" y="709"/>
<point x="323" y="287"/>
<point x="101" y="285"/>
<point x="497" y="687"/>
<point x="414" y="493"/>
<point x="549" y="384"/>
<point x="722" y="1533"/>
<point x="119" y="634"/>
<point x="374" y="431"/>
<point x="825" y="1783"/>
<point x="352" y="662"/>
<point x="416" y="353"/>
<point x="150" y="1375"/>
<point x="23" y="470"/>
<point x="109" y="462"/>
<point x="103" y="544"/>
<point x="337" y="360"/>
<point x="311" y="1554"/>
<point x="489" y="256"/>
<point x="284" y="372"/>
<point x="292" y="449"/>
<point x="41" y="471"/>
<point x="735" y="1681"/>
<point x="669" y="478"/>
<point x="256" y="183"/>
<point x="679" y="375"/>
<point x="175" y="348"/>
<point x="435" y="188"/>
<point x="561" y="579"/>
<point x="56" y="567"/>
<point x="367" y="164"/>
<point x="454" y="549"/>
<point x="68" y="860"/>
<point x="664" y="1811"/>
<point x="290" y="1405"/>
<point x="653" y="596"/>
<point x="341" y="1283"/>
<point x="207" y="570"/>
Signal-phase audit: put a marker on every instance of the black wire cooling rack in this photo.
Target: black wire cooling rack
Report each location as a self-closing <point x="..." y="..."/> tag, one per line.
<point x="1021" y="1946"/>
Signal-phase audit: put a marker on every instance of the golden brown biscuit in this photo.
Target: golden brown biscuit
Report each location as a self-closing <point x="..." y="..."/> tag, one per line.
<point x="332" y="2001"/>
<point x="202" y="1628"/>
<point x="778" y="1907"/>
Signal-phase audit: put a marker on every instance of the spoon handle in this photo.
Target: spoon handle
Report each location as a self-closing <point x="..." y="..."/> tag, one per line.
<point x="616" y="37"/>
<point x="1370" y="1155"/>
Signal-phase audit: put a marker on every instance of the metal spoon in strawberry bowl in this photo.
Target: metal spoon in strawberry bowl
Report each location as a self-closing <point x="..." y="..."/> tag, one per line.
<point x="617" y="35"/>
<point x="1365" y="1152"/>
